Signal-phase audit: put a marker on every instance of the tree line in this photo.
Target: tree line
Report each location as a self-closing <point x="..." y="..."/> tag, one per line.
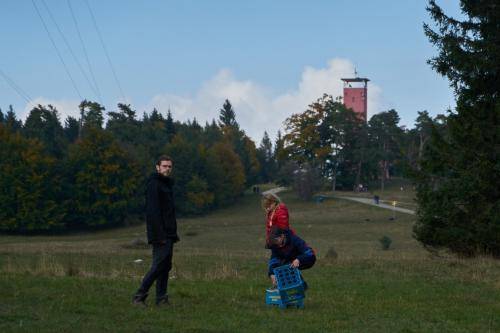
<point x="88" y="173"/>
<point x="83" y="174"/>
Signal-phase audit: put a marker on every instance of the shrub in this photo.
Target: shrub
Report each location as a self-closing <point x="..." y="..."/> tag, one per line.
<point x="386" y="242"/>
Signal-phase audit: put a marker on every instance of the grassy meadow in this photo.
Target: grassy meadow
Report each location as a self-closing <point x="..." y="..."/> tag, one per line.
<point x="84" y="282"/>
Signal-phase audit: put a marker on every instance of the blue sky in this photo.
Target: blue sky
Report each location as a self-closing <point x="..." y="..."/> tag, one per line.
<point x="270" y="58"/>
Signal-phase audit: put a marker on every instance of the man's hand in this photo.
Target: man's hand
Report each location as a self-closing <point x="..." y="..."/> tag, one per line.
<point x="273" y="280"/>
<point x="295" y="263"/>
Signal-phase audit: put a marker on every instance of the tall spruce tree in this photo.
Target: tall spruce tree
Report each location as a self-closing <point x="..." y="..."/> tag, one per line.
<point x="227" y="116"/>
<point x="11" y="120"/>
<point x="169" y="126"/>
<point x="457" y="188"/>
<point x="265" y="155"/>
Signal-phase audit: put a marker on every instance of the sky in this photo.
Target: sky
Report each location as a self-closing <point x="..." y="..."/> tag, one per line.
<point x="271" y="59"/>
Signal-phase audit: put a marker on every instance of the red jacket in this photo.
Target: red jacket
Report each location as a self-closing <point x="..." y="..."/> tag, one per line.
<point x="277" y="218"/>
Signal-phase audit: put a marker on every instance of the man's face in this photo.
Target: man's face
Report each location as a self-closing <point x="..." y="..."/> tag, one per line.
<point x="165" y="168"/>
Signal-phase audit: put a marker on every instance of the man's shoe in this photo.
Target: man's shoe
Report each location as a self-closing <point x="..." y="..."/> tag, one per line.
<point x="139" y="299"/>
<point x="162" y="302"/>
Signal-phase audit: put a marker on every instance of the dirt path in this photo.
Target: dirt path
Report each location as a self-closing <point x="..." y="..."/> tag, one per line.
<point x="365" y="201"/>
<point x="381" y="205"/>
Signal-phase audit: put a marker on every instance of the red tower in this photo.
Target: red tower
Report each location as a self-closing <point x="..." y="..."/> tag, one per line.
<point x="356" y="96"/>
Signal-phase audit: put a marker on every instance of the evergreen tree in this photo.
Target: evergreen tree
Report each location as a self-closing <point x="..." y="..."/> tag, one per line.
<point x="91" y="115"/>
<point x="11" y="121"/>
<point x="242" y="145"/>
<point x="265" y="155"/>
<point x="29" y="185"/>
<point x="2" y="117"/>
<point x="187" y="163"/>
<point x="43" y="124"/>
<point x="71" y="128"/>
<point x="212" y="133"/>
<point x="169" y="126"/>
<point x="227" y="116"/>
<point x="280" y="153"/>
<point x="101" y="180"/>
<point x="457" y="188"/>
<point x="123" y="124"/>
<point x="152" y="137"/>
<point x="385" y="136"/>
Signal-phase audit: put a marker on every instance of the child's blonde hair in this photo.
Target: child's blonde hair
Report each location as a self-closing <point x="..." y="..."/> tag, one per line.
<point x="268" y="199"/>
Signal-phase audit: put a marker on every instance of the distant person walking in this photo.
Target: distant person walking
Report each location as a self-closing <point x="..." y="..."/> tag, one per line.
<point x="161" y="229"/>
<point x="276" y="214"/>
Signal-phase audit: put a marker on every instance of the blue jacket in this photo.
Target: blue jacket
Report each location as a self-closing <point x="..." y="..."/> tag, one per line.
<point x="295" y="248"/>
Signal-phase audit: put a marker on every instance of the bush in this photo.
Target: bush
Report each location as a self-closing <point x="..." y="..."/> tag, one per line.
<point x="331" y="253"/>
<point x="386" y="242"/>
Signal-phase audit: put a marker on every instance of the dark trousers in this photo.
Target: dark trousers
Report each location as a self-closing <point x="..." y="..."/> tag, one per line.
<point x="160" y="267"/>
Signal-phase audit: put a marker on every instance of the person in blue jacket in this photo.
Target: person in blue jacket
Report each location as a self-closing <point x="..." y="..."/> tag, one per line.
<point x="288" y="248"/>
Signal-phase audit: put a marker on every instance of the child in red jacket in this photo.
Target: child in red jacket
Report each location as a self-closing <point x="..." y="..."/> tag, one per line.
<point x="276" y="214"/>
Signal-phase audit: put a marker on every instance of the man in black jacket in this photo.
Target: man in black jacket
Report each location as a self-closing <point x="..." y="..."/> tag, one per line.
<point x="161" y="230"/>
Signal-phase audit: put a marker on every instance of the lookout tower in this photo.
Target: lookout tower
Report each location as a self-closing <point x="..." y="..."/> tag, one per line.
<point x="356" y="95"/>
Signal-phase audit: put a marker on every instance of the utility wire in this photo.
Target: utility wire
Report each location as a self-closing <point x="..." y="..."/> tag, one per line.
<point x="85" y="53"/>
<point x="69" y="46"/>
<point x="57" y="50"/>
<point x="18" y="89"/>
<point x="105" y="50"/>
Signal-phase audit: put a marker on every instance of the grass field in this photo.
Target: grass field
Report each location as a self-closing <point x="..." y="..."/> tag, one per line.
<point x="84" y="282"/>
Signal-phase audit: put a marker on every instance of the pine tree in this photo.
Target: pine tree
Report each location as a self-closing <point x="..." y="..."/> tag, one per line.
<point x="11" y="121"/>
<point x="457" y="188"/>
<point x="265" y="155"/>
<point x="227" y="116"/>
<point x="169" y="126"/>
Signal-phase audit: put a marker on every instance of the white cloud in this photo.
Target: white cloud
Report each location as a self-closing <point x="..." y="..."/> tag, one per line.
<point x="257" y="110"/>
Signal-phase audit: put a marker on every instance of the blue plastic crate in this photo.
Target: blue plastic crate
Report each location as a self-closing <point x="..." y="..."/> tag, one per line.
<point x="287" y="277"/>
<point x="290" y="291"/>
<point x="273" y="297"/>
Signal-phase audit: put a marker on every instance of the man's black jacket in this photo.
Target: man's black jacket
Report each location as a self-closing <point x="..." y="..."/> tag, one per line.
<point x="160" y="209"/>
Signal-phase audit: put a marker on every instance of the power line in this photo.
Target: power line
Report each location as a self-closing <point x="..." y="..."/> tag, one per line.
<point x="69" y="46"/>
<point x="17" y="88"/>
<point x="57" y="50"/>
<point x="105" y="50"/>
<point x="85" y="52"/>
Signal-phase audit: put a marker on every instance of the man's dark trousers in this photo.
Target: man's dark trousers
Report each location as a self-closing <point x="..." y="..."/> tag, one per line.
<point x="160" y="267"/>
